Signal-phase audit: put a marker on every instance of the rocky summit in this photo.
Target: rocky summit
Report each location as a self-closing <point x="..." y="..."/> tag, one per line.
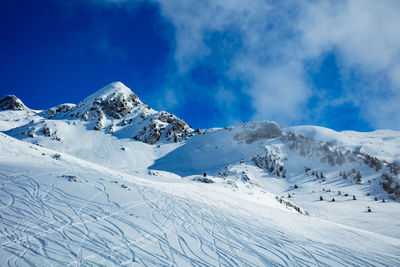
<point x="11" y="102"/>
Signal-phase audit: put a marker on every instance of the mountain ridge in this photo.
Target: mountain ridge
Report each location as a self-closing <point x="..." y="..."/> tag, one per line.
<point x="116" y="110"/>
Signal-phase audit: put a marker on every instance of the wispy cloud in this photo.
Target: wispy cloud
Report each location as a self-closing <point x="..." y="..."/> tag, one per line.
<point x="266" y="45"/>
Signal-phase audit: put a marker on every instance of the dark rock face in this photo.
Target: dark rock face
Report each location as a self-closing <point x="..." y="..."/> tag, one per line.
<point x="149" y="135"/>
<point x="164" y="125"/>
<point x="11" y="102"/>
<point x="52" y="112"/>
<point x="118" y="107"/>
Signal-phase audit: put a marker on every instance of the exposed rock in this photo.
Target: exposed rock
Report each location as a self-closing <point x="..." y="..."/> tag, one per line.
<point x="149" y="135"/>
<point x="203" y="180"/>
<point x="71" y="178"/>
<point x="11" y="102"/>
<point x="163" y="125"/>
<point x="119" y="106"/>
<point x="58" y="111"/>
<point x="46" y="131"/>
<point x="291" y="205"/>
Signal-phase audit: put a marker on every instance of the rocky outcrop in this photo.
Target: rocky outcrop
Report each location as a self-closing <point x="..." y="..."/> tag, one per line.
<point x="59" y="111"/>
<point x="164" y="125"/>
<point x="11" y="102"/>
<point x="118" y="106"/>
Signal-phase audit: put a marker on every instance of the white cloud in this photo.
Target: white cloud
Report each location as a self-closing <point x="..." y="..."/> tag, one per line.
<point x="276" y="87"/>
<point x="277" y="91"/>
<point x="365" y="31"/>
<point x="277" y="38"/>
<point x="366" y="37"/>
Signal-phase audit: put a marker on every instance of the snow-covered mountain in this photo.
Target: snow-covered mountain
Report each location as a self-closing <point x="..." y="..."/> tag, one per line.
<point x="111" y="181"/>
<point x="116" y="110"/>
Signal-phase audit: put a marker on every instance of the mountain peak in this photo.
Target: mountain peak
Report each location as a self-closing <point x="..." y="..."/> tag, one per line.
<point x="119" y="111"/>
<point x="11" y="102"/>
<point x="114" y="99"/>
<point x="114" y="89"/>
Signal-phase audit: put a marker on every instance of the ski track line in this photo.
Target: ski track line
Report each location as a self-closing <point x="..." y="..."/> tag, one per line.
<point x="72" y="224"/>
<point x="230" y="243"/>
<point x="131" y="242"/>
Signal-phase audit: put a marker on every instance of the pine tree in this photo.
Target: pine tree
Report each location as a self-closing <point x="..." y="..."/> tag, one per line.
<point x="358" y="177"/>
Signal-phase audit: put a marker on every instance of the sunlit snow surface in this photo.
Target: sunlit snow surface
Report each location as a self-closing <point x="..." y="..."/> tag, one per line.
<point x="48" y="220"/>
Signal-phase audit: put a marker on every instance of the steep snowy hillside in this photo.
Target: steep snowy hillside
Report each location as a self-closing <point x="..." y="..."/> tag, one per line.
<point x="60" y="210"/>
<point x="111" y="181"/>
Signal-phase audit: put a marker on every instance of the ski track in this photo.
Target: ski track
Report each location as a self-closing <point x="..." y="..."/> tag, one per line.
<point x="44" y="225"/>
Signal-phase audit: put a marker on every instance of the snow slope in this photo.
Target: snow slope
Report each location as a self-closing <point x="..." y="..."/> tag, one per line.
<point x="49" y="218"/>
<point x="226" y="153"/>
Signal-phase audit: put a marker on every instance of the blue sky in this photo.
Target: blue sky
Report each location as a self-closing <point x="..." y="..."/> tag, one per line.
<point x="213" y="63"/>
